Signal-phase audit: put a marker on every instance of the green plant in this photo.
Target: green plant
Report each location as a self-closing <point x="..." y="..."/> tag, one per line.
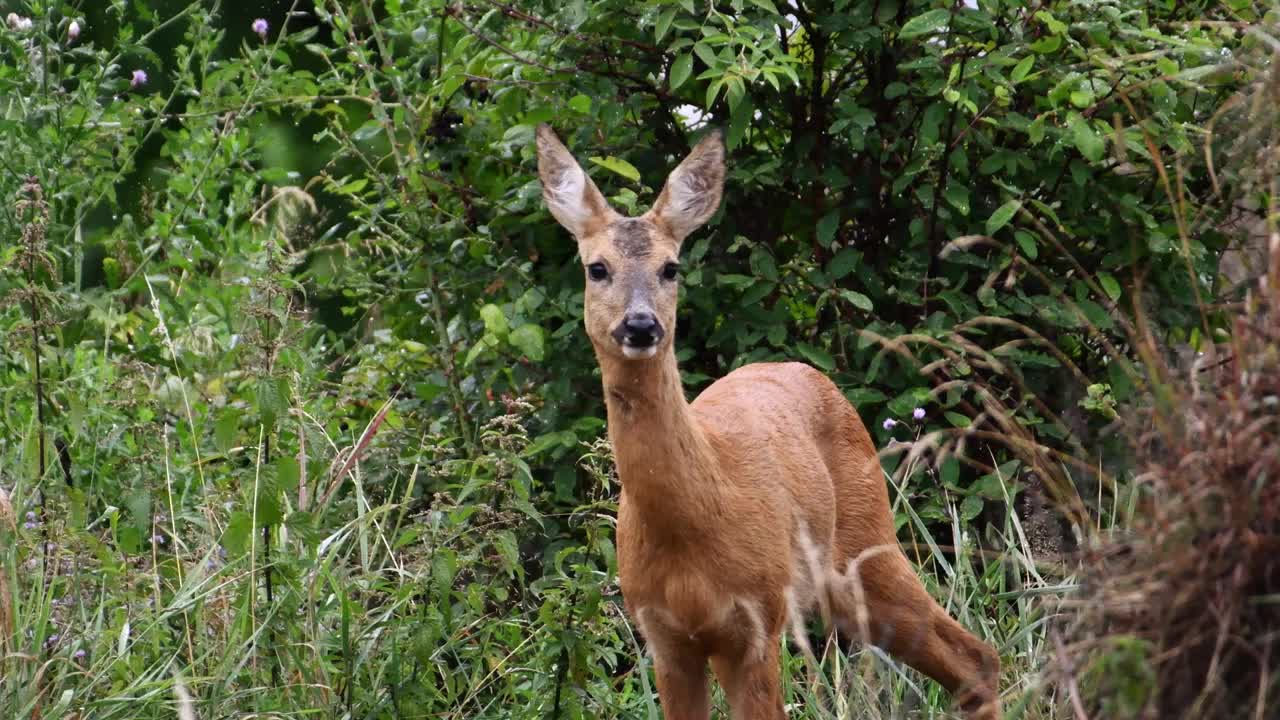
<point x="280" y="284"/>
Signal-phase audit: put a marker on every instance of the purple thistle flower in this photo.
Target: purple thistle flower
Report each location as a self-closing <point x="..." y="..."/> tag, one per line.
<point x="31" y="516"/>
<point x="918" y="413"/>
<point x="260" y="27"/>
<point x="30" y="525"/>
<point x="157" y="539"/>
<point x="889" y="423"/>
<point x="73" y="32"/>
<point x="138" y="79"/>
<point x="78" y="654"/>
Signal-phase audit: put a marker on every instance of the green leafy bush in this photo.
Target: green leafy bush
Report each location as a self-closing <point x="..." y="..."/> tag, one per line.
<point x="296" y="408"/>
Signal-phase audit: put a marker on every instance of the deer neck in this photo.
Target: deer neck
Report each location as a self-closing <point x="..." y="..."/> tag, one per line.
<point x="664" y="457"/>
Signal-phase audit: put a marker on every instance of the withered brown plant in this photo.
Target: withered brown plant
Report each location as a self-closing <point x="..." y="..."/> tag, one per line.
<point x="1180" y="616"/>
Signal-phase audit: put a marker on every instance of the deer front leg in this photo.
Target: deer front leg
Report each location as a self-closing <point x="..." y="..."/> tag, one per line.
<point x="682" y="680"/>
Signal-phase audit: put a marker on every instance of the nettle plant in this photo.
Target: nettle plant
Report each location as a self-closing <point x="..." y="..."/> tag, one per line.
<point x="223" y="442"/>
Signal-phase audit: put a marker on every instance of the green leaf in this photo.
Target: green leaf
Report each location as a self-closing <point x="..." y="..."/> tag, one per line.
<point x="1088" y="142"/>
<point x="495" y="322"/>
<point x="505" y="544"/>
<point x="486" y="342"/>
<point x="862" y="396"/>
<point x="756" y="293"/>
<point x="664" y="22"/>
<point x="543" y="443"/>
<point x="1096" y="314"/>
<point x="236" y="537"/>
<point x="1022" y="69"/>
<point x="858" y="300"/>
<point x="926" y="23"/>
<point x="736" y="91"/>
<point x="1027" y="242"/>
<point x="971" y="507"/>
<point x="618" y="165"/>
<point x="708" y="55"/>
<point x="956" y="419"/>
<point x="1055" y="26"/>
<point x="1109" y="285"/>
<point x="1047" y="44"/>
<point x="268" y="508"/>
<point x="288" y="472"/>
<point x="763" y="265"/>
<point x="580" y="104"/>
<point x="843" y="263"/>
<point x="949" y="472"/>
<point x="680" y="70"/>
<point x="713" y="91"/>
<point x="528" y="339"/>
<point x="765" y="5"/>
<point x="827" y="228"/>
<point x="226" y="431"/>
<point x="269" y="401"/>
<point x="817" y="356"/>
<point x="1002" y="216"/>
<point x="958" y="196"/>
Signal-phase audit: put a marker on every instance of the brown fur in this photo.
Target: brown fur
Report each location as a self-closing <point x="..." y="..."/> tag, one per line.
<point x="761" y="500"/>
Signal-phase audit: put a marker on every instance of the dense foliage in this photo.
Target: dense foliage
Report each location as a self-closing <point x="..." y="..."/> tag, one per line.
<point x="296" y="410"/>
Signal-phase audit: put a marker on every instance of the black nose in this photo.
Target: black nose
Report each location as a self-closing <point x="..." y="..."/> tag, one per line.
<point x="640" y="329"/>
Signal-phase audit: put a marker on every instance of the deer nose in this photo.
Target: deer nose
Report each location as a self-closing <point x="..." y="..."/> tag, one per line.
<point x="640" y="329"/>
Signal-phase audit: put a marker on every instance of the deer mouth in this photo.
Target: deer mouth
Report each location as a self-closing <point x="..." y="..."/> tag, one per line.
<point x="638" y="345"/>
<point x="635" y="352"/>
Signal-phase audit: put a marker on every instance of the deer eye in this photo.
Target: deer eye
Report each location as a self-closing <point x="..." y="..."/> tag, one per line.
<point x="670" y="271"/>
<point x="597" y="271"/>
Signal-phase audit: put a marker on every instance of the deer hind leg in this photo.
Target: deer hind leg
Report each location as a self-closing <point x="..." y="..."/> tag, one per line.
<point x="752" y="684"/>
<point x="880" y="600"/>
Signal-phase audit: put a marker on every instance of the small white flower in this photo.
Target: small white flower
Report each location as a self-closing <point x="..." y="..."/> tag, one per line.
<point x="73" y="31"/>
<point x="17" y="23"/>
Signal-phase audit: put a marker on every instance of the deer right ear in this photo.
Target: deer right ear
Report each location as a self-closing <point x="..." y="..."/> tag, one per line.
<point x="569" y="194"/>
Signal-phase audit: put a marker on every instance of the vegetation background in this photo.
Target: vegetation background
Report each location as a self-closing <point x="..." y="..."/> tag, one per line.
<point x="297" y="418"/>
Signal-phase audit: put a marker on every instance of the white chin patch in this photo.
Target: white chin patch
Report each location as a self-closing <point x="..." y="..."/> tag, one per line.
<point x="638" y="353"/>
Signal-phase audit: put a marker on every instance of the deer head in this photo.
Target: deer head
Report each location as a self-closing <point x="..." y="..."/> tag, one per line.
<point x="632" y="264"/>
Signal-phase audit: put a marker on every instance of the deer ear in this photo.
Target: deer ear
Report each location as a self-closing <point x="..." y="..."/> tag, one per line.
<point x="693" y="189"/>
<point x="569" y="194"/>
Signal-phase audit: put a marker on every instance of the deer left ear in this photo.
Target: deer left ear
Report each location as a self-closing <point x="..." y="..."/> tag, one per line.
<point x="693" y="190"/>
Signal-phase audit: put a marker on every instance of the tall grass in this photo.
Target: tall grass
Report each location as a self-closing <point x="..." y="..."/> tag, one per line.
<point x="353" y="625"/>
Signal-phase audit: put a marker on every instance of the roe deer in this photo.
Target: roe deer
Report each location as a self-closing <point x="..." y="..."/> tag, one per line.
<point x="752" y="506"/>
